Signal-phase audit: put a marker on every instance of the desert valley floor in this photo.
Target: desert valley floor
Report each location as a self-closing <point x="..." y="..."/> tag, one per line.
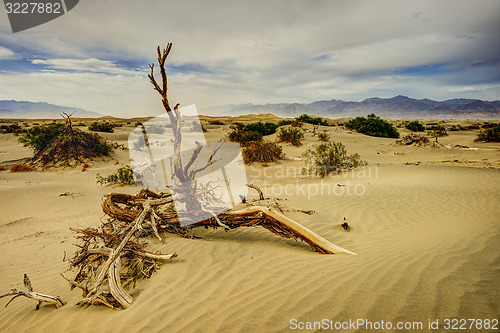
<point x="425" y="228"/>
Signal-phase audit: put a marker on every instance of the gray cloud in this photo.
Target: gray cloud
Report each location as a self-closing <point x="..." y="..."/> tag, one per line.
<point x="259" y="51"/>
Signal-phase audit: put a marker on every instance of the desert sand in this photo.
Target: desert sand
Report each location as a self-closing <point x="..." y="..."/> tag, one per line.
<point x="425" y="224"/>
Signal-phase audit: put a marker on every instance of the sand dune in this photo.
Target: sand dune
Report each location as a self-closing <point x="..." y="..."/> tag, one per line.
<point x="427" y="239"/>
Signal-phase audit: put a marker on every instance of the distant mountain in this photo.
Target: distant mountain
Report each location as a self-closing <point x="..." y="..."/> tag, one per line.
<point x="24" y="109"/>
<point x="395" y="107"/>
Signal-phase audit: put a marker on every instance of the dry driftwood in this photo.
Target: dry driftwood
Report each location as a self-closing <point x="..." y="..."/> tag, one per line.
<point x="41" y="298"/>
<point x="126" y="208"/>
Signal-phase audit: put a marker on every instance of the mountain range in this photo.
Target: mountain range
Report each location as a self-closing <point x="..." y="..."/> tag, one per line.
<point x="23" y="110"/>
<point x="395" y="107"/>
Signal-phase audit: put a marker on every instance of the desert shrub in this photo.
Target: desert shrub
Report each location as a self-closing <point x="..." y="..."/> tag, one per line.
<point x="20" y="168"/>
<point x="471" y="127"/>
<point x="329" y="157"/>
<point x="196" y="126"/>
<point x="155" y="128"/>
<point x="291" y="134"/>
<point x="285" y="122"/>
<point x="262" y="128"/>
<point x="244" y="137"/>
<point x="415" y="126"/>
<point x="489" y="134"/>
<point x="55" y="142"/>
<point x="13" y="128"/>
<point x="312" y="120"/>
<point x="323" y="137"/>
<point x="85" y="166"/>
<point x="489" y="125"/>
<point x="437" y="132"/>
<point x="454" y="128"/>
<point x="101" y="127"/>
<point x="123" y="175"/>
<point x="372" y="125"/>
<point x="413" y="139"/>
<point x="215" y="122"/>
<point x="2" y="168"/>
<point x="297" y="123"/>
<point x="262" y="151"/>
<point x="80" y="125"/>
<point x="39" y="138"/>
<point x="237" y="125"/>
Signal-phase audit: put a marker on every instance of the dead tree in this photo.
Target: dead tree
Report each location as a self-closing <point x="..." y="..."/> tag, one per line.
<point x="115" y="251"/>
<point x="269" y="219"/>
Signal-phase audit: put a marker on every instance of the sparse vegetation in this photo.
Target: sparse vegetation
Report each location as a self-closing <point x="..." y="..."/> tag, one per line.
<point x="262" y="152"/>
<point x="323" y="137"/>
<point x="101" y="127"/>
<point x="413" y="139"/>
<point x="491" y="134"/>
<point x="285" y="122"/>
<point x="262" y="128"/>
<point x="252" y="132"/>
<point x="155" y="128"/>
<point x="244" y="137"/>
<point x="438" y="132"/>
<point x="123" y="175"/>
<point x="373" y="126"/>
<point x="329" y="157"/>
<point x="2" y="168"/>
<point x="56" y="143"/>
<point x="415" y="126"/>
<point x="312" y="120"/>
<point x="216" y="122"/>
<point x="13" y="128"/>
<point x="291" y="134"/>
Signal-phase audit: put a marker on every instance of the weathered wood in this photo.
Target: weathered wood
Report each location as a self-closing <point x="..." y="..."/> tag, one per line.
<point x="29" y="293"/>
<point x="261" y="195"/>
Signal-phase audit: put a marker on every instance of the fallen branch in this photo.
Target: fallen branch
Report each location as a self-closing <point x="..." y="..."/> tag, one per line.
<point x="29" y="293"/>
<point x="261" y="195"/>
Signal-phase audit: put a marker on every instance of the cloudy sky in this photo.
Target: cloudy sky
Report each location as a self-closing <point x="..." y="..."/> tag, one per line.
<point x="96" y="56"/>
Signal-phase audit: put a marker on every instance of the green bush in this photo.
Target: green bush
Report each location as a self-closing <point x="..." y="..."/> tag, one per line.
<point x="285" y="122"/>
<point x="244" y="137"/>
<point x="155" y="128"/>
<point x="40" y="137"/>
<point x="437" y="132"/>
<point x="329" y="157"/>
<point x="262" y="128"/>
<point x="489" y="125"/>
<point x="215" y="122"/>
<point x="101" y="127"/>
<point x="372" y="125"/>
<point x="55" y="142"/>
<point x="14" y="128"/>
<point x="323" y="137"/>
<point x="312" y="120"/>
<point x="123" y="175"/>
<point x="262" y="151"/>
<point x="415" y="126"/>
<point x="489" y="134"/>
<point x="291" y="134"/>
